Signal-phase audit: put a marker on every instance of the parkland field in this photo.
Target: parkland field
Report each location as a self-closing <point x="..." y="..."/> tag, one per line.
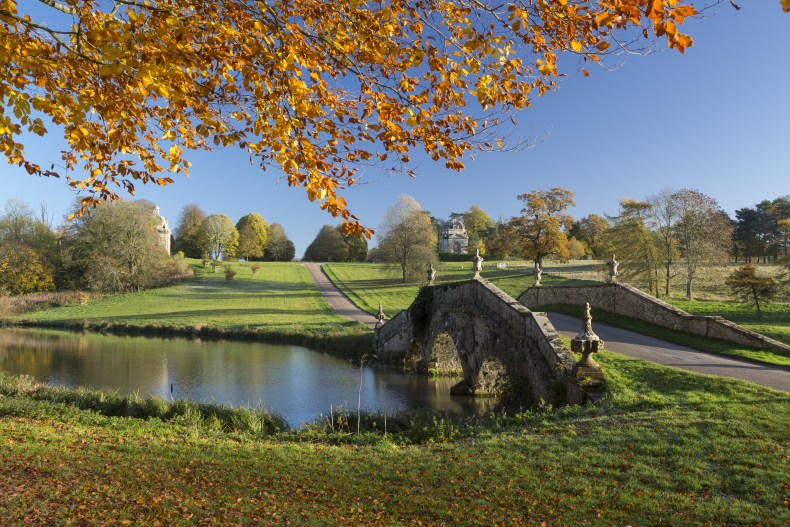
<point x="663" y="447"/>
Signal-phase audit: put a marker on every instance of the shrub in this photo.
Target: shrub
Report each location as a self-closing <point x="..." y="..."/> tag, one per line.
<point x="229" y="273"/>
<point x="256" y="269"/>
<point x="750" y="288"/>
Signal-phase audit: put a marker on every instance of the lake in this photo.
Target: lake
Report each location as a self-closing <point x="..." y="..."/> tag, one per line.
<point x="298" y="383"/>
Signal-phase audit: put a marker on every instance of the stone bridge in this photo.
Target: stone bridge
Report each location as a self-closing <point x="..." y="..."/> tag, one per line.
<point x="500" y="347"/>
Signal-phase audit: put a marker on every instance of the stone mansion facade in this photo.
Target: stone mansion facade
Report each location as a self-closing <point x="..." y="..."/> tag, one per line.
<point x="454" y="239"/>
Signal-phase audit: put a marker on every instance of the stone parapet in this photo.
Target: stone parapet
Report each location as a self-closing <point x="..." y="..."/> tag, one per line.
<point x="623" y="299"/>
<point x="392" y="338"/>
<point x="500" y="346"/>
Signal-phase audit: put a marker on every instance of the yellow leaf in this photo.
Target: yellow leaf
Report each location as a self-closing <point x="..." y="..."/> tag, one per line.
<point x="602" y="46"/>
<point x="785" y="5"/>
<point x="576" y="45"/>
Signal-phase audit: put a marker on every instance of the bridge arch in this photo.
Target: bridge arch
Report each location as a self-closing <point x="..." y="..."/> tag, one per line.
<point x="501" y="348"/>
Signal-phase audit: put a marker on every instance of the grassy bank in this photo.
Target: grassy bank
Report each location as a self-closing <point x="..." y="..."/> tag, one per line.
<point x="664" y="447"/>
<point x="280" y="304"/>
<point x="775" y="322"/>
<point x="280" y="296"/>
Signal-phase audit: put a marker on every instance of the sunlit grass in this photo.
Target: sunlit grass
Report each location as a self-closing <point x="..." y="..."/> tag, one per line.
<point x="775" y="322"/>
<point x="664" y="447"/>
<point x="368" y="284"/>
<point x="279" y="296"/>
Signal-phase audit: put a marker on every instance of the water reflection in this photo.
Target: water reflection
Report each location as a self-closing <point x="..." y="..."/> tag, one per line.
<point x="297" y="382"/>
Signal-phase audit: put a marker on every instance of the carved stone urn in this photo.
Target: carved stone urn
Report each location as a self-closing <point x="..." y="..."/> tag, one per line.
<point x="587" y="343"/>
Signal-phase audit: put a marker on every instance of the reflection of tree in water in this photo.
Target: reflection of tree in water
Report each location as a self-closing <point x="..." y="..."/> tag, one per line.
<point x="299" y="383"/>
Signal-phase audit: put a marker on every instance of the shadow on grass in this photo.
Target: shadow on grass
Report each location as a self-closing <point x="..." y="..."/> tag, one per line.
<point x="209" y="314"/>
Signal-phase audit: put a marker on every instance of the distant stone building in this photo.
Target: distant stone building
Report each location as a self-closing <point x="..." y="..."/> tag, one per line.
<point x="163" y="229"/>
<point x="454" y="239"/>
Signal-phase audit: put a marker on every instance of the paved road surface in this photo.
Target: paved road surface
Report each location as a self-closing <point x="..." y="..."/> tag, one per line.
<point x="339" y="302"/>
<point x="648" y="348"/>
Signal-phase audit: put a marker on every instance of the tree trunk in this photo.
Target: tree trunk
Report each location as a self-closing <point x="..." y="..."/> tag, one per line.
<point x="668" y="279"/>
<point x="689" y="288"/>
<point x="757" y="304"/>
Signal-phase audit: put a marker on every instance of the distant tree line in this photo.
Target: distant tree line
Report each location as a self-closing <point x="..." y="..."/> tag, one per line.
<point x="331" y="244"/>
<point x="214" y="237"/>
<point x="672" y="235"/>
<point x="118" y="248"/>
<point x="762" y="232"/>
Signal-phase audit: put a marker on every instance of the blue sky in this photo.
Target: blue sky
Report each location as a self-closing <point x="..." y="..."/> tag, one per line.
<point x="716" y="119"/>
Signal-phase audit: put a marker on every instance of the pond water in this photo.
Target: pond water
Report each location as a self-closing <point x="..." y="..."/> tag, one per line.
<point x="298" y="383"/>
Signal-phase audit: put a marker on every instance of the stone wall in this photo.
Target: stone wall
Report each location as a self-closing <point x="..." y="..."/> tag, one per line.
<point x="622" y="299"/>
<point x="502" y="348"/>
<point x="392" y="338"/>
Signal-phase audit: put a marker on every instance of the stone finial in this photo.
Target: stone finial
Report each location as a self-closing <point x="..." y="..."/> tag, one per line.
<point x="612" y="269"/>
<point x="538" y="273"/>
<point x="587" y="343"/>
<point x="431" y="272"/>
<point x="380" y="316"/>
<point x="477" y="264"/>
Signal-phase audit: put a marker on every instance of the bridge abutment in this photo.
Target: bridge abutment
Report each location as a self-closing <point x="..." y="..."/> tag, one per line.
<point x="500" y="347"/>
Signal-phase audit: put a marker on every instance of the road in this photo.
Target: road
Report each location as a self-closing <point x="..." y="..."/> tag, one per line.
<point x="339" y="302"/>
<point x="655" y="350"/>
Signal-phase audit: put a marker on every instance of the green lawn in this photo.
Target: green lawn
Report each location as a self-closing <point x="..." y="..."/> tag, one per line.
<point x="368" y="284"/>
<point x="664" y="447"/>
<point x="775" y="322"/>
<point x="280" y="297"/>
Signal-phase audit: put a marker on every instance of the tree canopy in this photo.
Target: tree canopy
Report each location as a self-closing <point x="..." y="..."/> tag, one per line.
<point x="749" y="287"/>
<point x="408" y="238"/>
<point x="117" y="248"/>
<point x="279" y="248"/>
<point x="187" y="234"/>
<point x="317" y="89"/>
<point x="479" y="226"/>
<point x="253" y="235"/>
<point x="328" y="246"/>
<point x="635" y="244"/>
<point x="218" y="237"/>
<point x="542" y="228"/>
<point x="21" y="270"/>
